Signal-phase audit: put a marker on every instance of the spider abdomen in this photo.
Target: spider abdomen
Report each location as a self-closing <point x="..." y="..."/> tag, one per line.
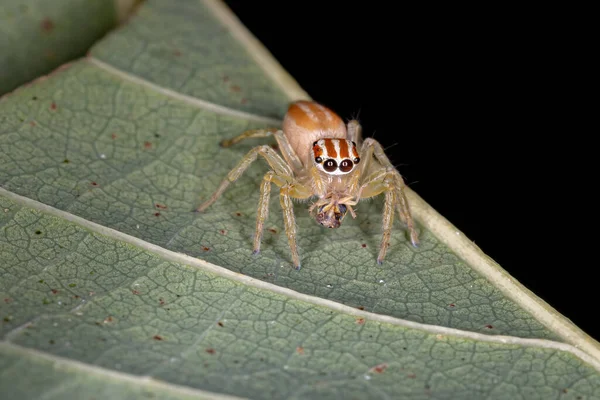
<point x="306" y="122"/>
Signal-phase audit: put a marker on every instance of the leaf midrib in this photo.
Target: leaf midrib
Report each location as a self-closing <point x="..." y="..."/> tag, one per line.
<point x="248" y="281"/>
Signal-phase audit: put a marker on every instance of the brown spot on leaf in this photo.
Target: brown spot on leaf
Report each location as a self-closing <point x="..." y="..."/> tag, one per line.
<point x="113" y="136"/>
<point x="223" y="232"/>
<point x="76" y="296"/>
<point x="161" y="206"/>
<point x="157" y="214"/>
<point x="47" y="25"/>
<point x="452" y="305"/>
<point x="147" y="145"/>
<point x="7" y="300"/>
<point x="273" y="230"/>
<point x="360" y="307"/>
<point x="53" y="106"/>
<point x="364" y="245"/>
<point x="489" y="326"/>
<point x="32" y="123"/>
<point x="108" y="319"/>
<point x="211" y="351"/>
<point x="135" y="292"/>
<point x="94" y="183"/>
<point x="412" y="376"/>
<point x="300" y="350"/>
<point x="158" y="337"/>
<point x="239" y="214"/>
<point x="360" y="321"/>
<point x="220" y="324"/>
<point x="54" y="291"/>
<point x="161" y="301"/>
<point x="380" y="368"/>
<point x="206" y="248"/>
<point x="66" y="161"/>
<point x="236" y="88"/>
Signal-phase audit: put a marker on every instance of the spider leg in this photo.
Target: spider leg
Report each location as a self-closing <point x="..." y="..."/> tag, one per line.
<point x="284" y="145"/>
<point x="287" y="192"/>
<point x="275" y="161"/>
<point x="388" y="223"/>
<point x="354" y="130"/>
<point x="373" y="147"/>
<point x="263" y="204"/>
<point x="252" y="133"/>
<point x="382" y="182"/>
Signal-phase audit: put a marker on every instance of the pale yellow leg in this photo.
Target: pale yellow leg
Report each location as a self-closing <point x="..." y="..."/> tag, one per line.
<point x="371" y="146"/>
<point x="377" y="184"/>
<point x="354" y="132"/>
<point x="252" y="133"/>
<point x="289" y="222"/>
<point x="263" y="206"/>
<point x="286" y="149"/>
<point x="274" y="160"/>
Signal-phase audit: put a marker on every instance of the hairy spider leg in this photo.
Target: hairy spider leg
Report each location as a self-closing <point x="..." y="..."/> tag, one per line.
<point x="286" y="149"/>
<point x="274" y="160"/>
<point x="287" y="191"/>
<point x="282" y="176"/>
<point x="355" y="132"/>
<point x="389" y="181"/>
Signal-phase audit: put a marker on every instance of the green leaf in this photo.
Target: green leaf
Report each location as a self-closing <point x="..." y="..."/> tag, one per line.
<point x="107" y="277"/>
<point x="37" y="36"/>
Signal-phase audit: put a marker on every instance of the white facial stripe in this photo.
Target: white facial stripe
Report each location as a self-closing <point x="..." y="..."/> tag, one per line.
<point x="337" y="143"/>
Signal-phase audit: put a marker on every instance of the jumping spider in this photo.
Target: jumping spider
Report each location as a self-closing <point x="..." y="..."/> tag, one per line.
<point x="322" y="157"/>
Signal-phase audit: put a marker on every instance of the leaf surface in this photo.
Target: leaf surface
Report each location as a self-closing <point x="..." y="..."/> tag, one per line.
<point x="105" y="270"/>
<point x="86" y="297"/>
<point x="37" y="36"/>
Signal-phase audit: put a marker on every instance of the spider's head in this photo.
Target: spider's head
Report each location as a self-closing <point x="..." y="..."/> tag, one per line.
<point x="331" y="215"/>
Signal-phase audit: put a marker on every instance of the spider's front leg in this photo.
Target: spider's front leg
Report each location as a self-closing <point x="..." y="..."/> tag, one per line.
<point x="371" y="148"/>
<point x="382" y="182"/>
<point x="288" y="189"/>
<point x="288" y="192"/>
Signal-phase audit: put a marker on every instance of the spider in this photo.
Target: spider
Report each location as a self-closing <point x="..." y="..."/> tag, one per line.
<point x="326" y="159"/>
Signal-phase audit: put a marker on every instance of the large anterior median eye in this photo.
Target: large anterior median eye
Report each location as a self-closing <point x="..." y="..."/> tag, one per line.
<point x="346" y="166"/>
<point x="330" y="165"/>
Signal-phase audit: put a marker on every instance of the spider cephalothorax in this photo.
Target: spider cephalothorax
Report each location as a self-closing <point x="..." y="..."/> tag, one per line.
<point x="326" y="159"/>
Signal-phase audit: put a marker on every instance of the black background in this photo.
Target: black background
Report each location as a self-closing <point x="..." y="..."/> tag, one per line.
<point x="468" y="103"/>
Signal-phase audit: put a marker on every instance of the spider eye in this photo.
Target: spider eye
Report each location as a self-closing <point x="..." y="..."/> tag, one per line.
<point x="318" y="160"/>
<point x="346" y="166"/>
<point x="356" y="160"/>
<point x="330" y="165"/>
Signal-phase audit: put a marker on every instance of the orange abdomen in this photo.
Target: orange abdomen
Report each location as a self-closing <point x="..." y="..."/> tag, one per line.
<point x="306" y="122"/>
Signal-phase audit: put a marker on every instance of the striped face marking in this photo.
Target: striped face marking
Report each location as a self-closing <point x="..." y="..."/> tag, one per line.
<point x="335" y="156"/>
